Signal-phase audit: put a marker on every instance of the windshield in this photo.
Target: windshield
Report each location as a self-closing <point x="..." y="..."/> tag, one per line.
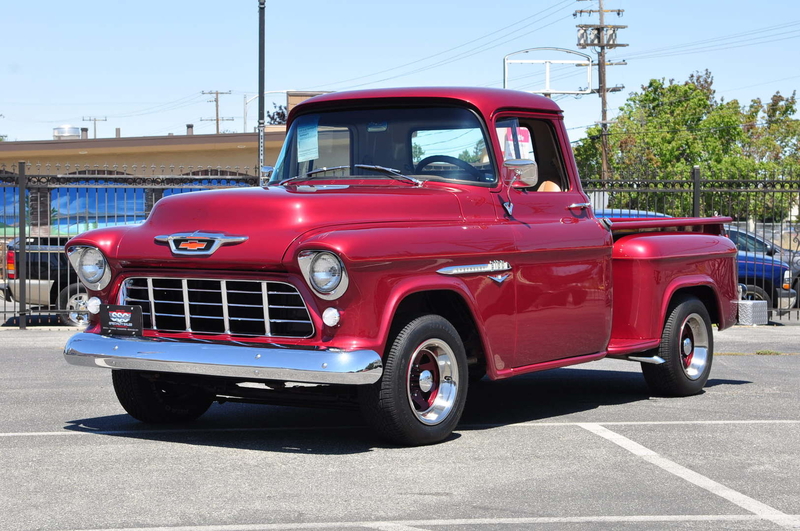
<point x="431" y="143"/>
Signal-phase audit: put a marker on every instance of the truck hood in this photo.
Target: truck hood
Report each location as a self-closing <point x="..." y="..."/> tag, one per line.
<point x="271" y="219"/>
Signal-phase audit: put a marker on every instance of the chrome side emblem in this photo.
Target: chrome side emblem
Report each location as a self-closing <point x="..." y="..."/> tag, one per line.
<point x="500" y="278"/>
<point x="198" y="243"/>
<point x="492" y="267"/>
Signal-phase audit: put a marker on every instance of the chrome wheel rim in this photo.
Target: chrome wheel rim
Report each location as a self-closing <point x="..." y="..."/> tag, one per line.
<point x="75" y="303"/>
<point x="432" y="381"/>
<point x="694" y="346"/>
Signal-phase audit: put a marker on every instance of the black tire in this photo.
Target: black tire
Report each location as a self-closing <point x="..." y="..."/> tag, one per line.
<point x="408" y="406"/>
<point x="145" y="397"/>
<point x="67" y="300"/>
<point x="687" y="346"/>
<point x="754" y="293"/>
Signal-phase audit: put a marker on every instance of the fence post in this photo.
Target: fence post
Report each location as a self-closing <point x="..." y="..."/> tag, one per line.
<point x="696" y="191"/>
<point x="22" y="258"/>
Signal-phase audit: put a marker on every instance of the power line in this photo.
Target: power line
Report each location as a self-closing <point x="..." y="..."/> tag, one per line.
<point x="423" y="59"/>
<point x="95" y="120"/>
<point x="464" y="55"/>
<point x="215" y="101"/>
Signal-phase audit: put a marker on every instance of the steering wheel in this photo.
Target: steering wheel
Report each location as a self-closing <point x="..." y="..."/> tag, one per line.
<point x="466" y="166"/>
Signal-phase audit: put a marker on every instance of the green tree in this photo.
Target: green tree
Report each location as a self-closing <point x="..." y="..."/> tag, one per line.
<point x="475" y="155"/>
<point x="667" y="128"/>
<point x="277" y="116"/>
<point x="417" y="153"/>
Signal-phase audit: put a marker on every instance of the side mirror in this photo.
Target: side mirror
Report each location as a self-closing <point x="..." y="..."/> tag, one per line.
<point x="523" y="171"/>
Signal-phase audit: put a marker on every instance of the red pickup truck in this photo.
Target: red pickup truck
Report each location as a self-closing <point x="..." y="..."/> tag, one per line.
<point x="408" y="242"/>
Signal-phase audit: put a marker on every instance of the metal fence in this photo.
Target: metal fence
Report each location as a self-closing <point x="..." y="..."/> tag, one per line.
<point x="40" y="212"/>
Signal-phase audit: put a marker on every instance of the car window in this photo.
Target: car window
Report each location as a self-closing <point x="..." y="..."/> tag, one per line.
<point x="749" y="243"/>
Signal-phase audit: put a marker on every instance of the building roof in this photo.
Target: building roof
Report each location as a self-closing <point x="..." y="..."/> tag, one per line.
<point x="139" y="144"/>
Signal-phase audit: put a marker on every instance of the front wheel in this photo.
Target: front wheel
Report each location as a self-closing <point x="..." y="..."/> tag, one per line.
<point x="146" y="397"/>
<point x="421" y="395"/>
<point x="687" y="346"/>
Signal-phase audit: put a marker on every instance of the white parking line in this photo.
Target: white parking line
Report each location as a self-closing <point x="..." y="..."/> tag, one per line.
<point x="83" y="430"/>
<point x="762" y="510"/>
<point x="414" y="524"/>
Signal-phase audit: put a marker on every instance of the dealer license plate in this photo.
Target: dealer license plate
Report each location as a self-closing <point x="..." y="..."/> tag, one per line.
<point x="120" y="320"/>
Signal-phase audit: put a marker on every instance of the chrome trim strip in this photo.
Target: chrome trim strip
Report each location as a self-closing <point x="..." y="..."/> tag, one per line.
<point x="320" y="366"/>
<point x="654" y="360"/>
<point x="491" y="267"/>
<point x="265" y="301"/>
<point x="187" y="311"/>
<point x="224" y="296"/>
<point x="152" y="303"/>
<point x="579" y="205"/>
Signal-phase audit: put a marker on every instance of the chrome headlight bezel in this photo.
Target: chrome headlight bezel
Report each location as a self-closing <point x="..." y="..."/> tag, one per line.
<point x="306" y="260"/>
<point x="76" y="259"/>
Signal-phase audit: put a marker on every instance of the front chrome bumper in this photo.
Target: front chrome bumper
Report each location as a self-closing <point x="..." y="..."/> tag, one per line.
<point x="289" y="364"/>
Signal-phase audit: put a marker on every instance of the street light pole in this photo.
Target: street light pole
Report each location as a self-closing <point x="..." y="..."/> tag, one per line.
<point x="261" y="60"/>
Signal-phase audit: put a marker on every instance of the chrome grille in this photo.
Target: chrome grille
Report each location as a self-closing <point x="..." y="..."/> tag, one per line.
<point x="215" y="306"/>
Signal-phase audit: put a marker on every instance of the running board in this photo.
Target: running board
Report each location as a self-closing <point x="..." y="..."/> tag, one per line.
<point x="654" y="360"/>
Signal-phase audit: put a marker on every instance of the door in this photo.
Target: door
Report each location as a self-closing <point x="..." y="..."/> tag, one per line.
<point x="562" y="260"/>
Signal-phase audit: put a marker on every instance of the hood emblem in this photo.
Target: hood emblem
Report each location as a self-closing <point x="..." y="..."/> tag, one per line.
<point x="198" y="243"/>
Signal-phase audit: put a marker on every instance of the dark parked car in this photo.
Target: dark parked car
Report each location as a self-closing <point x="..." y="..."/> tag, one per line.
<point x="753" y="243"/>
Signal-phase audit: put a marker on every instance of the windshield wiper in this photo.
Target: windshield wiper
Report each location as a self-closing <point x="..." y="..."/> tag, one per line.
<point x="391" y="172"/>
<point x="312" y="173"/>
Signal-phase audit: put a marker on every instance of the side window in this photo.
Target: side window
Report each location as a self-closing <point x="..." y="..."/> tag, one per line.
<point x="753" y="245"/>
<point x="522" y="138"/>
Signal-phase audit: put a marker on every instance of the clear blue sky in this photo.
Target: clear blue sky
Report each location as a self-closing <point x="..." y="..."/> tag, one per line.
<point x="144" y="64"/>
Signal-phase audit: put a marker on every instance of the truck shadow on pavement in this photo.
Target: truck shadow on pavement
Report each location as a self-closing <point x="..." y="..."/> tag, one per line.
<point x="533" y="397"/>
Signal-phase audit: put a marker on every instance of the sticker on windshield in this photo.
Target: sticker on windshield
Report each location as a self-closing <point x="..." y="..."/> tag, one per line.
<point x="308" y="141"/>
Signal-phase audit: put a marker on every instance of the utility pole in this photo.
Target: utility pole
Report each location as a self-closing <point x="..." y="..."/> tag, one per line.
<point x="601" y="37"/>
<point x="261" y="87"/>
<point x="95" y="120"/>
<point x="216" y="94"/>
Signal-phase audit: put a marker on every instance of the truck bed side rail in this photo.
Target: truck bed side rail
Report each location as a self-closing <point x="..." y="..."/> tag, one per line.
<point x="706" y="225"/>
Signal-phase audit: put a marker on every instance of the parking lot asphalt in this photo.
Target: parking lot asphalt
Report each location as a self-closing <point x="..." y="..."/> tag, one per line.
<point x="582" y="447"/>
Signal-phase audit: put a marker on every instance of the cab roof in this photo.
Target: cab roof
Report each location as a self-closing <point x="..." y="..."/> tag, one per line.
<point x="486" y="100"/>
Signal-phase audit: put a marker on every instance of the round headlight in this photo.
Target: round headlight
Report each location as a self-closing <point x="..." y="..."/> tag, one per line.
<point x="92" y="265"/>
<point x="326" y="272"/>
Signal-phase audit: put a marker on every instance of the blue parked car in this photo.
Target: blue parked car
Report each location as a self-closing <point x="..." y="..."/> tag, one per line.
<point x="767" y="278"/>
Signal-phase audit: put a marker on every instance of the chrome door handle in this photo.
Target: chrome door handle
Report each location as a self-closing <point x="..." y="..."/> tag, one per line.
<point x="579" y="205"/>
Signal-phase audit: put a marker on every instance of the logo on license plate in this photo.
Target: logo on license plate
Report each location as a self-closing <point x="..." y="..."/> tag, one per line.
<point x="120" y="316"/>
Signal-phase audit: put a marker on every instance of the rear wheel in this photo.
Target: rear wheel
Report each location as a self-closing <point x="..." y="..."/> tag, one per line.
<point x="687" y="346"/>
<point x="421" y="395"/>
<point x="146" y="397"/>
